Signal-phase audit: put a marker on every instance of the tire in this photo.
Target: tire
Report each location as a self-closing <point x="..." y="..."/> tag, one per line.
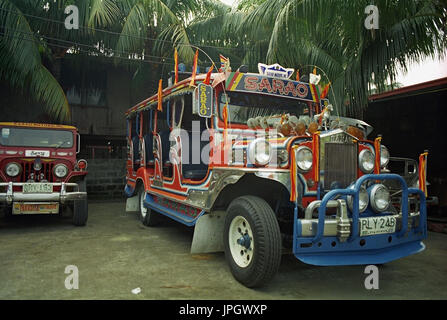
<point x="7" y="212"/>
<point x="148" y="217"/>
<point x="80" y="208"/>
<point x="251" y="227"/>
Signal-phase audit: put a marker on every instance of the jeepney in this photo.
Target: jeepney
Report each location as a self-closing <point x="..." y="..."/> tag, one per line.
<point x="39" y="172"/>
<point x="258" y="163"/>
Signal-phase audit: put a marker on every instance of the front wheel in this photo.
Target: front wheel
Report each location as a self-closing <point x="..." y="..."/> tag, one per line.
<point x="80" y="208"/>
<point x="252" y="240"/>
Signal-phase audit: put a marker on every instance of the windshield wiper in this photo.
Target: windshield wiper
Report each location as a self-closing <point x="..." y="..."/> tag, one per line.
<point x="60" y="144"/>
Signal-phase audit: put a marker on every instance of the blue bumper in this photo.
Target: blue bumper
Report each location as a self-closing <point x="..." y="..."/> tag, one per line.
<point x="323" y="250"/>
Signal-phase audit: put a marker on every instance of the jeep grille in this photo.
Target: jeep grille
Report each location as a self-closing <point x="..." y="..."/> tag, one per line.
<point x="340" y="164"/>
<point x="28" y="172"/>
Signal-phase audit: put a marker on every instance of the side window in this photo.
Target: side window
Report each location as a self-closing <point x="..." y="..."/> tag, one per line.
<point x="134" y="125"/>
<point x="188" y="117"/>
<point x="162" y="123"/>
<point x="147" y="122"/>
<point x="177" y="111"/>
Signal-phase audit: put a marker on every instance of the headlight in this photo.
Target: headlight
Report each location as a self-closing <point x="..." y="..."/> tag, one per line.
<point x="363" y="199"/>
<point x="304" y="158"/>
<point x="260" y="152"/>
<point x="366" y="161"/>
<point x="380" y="197"/>
<point x="13" y="169"/>
<point x="60" y="170"/>
<point x="384" y="156"/>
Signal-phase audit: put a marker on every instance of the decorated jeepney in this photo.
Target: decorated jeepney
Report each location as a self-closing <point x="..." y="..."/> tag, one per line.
<point x="39" y="172"/>
<point x="258" y="163"/>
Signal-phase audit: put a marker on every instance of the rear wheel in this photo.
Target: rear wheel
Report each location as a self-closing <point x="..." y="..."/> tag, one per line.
<point x="148" y="217"/>
<point x="80" y="208"/>
<point x="252" y="241"/>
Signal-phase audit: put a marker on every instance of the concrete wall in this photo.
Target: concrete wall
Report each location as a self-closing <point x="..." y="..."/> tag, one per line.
<point x="109" y="120"/>
<point x="106" y="179"/>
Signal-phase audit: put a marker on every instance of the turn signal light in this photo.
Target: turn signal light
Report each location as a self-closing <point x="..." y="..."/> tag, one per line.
<point x="82" y="165"/>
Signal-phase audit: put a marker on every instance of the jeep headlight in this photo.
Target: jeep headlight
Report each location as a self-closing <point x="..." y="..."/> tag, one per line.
<point x="384" y="156"/>
<point x="366" y="161"/>
<point x="13" y="169"/>
<point x="363" y="199"/>
<point x="260" y="152"/>
<point x="304" y="158"/>
<point x="380" y="197"/>
<point x="60" y="170"/>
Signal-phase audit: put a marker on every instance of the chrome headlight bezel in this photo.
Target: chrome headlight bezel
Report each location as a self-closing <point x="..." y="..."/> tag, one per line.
<point x="260" y="157"/>
<point x="374" y="194"/>
<point x="363" y="161"/>
<point x="363" y="199"/>
<point x="57" y="173"/>
<point x="304" y="159"/>
<point x="384" y="156"/>
<point x="15" y="166"/>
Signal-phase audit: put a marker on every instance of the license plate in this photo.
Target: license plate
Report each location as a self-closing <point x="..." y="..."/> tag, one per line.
<point x="377" y="225"/>
<point x="37" y="188"/>
<point x="35" y="208"/>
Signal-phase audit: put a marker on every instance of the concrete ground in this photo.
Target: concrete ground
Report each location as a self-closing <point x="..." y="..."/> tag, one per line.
<point x="115" y="253"/>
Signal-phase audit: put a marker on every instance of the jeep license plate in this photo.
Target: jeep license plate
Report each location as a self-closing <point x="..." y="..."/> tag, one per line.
<point x="35" y="208"/>
<point x="377" y="225"/>
<point x="37" y="188"/>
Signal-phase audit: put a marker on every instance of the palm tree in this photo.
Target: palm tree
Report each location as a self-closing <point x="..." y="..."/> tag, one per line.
<point x="33" y="38"/>
<point x="30" y="46"/>
<point x="331" y="34"/>
<point x="156" y="27"/>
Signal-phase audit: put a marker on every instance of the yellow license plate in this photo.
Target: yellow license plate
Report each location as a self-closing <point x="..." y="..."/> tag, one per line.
<point x="35" y="208"/>
<point x="37" y="188"/>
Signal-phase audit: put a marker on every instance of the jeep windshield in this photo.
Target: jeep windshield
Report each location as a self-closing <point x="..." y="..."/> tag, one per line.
<point x="42" y="138"/>
<point x="244" y="106"/>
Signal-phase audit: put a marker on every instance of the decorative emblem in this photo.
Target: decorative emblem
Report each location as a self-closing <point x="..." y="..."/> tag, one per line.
<point x="275" y="71"/>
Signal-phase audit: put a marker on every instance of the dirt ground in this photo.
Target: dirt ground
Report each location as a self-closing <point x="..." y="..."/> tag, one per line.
<point x="115" y="254"/>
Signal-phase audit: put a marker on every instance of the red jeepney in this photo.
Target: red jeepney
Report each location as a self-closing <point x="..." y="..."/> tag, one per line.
<point x="39" y="172"/>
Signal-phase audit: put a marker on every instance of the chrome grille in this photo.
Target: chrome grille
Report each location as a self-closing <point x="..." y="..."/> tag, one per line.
<point x="340" y="164"/>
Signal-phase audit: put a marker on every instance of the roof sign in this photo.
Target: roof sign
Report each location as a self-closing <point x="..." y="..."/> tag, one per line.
<point x="275" y="71"/>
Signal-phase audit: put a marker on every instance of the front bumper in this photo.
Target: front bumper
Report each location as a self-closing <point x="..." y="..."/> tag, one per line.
<point x="336" y="240"/>
<point x="62" y="196"/>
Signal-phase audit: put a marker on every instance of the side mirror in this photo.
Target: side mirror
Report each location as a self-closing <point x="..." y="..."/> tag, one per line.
<point x="78" y="144"/>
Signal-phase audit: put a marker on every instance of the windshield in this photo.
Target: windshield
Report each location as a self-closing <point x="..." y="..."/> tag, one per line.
<point x="24" y="137"/>
<point x="244" y="106"/>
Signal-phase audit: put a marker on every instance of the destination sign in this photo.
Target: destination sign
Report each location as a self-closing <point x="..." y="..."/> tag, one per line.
<point x="205" y="100"/>
<point x="272" y="86"/>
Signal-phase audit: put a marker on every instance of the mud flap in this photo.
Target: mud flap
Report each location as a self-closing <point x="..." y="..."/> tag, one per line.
<point x="133" y="204"/>
<point x="208" y="233"/>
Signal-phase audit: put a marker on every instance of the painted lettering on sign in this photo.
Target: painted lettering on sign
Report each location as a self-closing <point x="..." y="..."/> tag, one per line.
<point x="276" y="86"/>
<point x="205" y="100"/>
<point x="37" y="153"/>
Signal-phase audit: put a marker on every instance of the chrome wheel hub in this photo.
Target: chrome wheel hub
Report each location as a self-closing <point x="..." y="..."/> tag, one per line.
<point x="241" y="242"/>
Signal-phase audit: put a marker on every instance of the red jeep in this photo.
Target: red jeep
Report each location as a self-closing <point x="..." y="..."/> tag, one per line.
<point x="39" y="173"/>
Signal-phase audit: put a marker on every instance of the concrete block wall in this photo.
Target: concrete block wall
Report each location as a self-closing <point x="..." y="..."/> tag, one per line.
<point x="106" y="179"/>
